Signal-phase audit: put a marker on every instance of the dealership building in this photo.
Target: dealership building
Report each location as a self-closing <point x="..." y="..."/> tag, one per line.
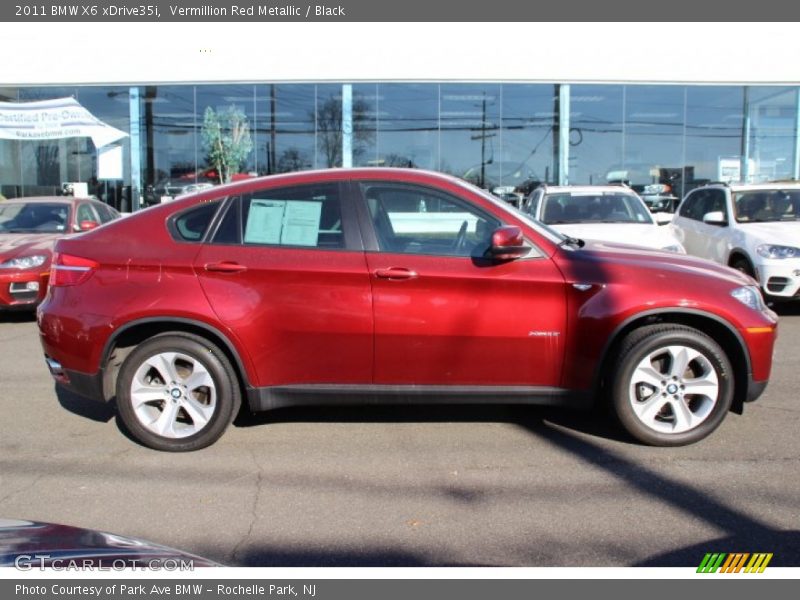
<point x="505" y="129"/>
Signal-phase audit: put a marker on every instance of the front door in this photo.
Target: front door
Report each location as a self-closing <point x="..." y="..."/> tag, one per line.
<point x="444" y="314"/>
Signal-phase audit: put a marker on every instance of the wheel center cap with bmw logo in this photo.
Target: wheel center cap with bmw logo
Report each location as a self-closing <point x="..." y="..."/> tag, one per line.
<point x="672" y="388"/>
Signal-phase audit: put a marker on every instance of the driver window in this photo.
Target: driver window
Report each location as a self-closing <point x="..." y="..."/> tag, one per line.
<point x="415" y="220"/>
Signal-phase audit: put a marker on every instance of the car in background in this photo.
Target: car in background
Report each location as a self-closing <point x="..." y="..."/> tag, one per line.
<point x="28" y="229"/>
<point x="610" y="213"/>
<point x="168" y="189"/>
<point x="754" y="228"/>
<point x="659" y="198"/>
<point x="349" y="286"/>
<point x="509" y="195"/>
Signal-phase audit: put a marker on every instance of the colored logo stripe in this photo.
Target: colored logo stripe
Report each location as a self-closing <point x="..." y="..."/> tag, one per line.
<point x="734" y="563"/>
<point x="711" y="563"/>
<point x="758" y="563"/>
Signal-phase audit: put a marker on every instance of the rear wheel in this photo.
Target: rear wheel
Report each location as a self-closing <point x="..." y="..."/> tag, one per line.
<point x="673" y="385"/>
<point x="177" y="392"/>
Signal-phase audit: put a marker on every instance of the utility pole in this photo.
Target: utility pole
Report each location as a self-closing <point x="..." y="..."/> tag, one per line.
<point x="483" y="137"/>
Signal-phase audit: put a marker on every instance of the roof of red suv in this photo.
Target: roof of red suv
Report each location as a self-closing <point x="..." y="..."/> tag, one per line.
<point x="337" y="174"/>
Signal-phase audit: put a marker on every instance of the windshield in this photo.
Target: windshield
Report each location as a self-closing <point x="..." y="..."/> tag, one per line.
<point x="761" y="206"/>
<point x="33" y="217"/>
<point x="594" y="207"/>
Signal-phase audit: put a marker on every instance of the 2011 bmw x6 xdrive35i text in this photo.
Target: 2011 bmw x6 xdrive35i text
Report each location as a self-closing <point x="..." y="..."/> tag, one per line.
<point x="345" y="286"/>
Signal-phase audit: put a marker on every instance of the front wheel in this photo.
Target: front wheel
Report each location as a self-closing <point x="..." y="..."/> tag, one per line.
<point x="742" y="264"/>
<point x="673" y="385"/>
<point x="177" y="392"/>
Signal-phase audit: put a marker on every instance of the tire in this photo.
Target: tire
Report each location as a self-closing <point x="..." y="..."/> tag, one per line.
<point x="177" y="392"/>
<point x="740" y="263"/>
<point x="649" y="390"/>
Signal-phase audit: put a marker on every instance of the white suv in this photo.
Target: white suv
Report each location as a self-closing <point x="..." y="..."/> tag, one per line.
<point x="754" y="228"/>
<point x="609" y="213"/>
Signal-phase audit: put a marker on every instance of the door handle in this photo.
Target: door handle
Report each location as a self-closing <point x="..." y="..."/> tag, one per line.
<point x="395" y="273"/>
<point x="225" y="267"/>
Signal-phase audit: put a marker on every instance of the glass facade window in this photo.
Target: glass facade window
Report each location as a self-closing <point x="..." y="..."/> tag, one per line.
<point x="234" y="106"/>
<point x="505" y="137"/>
<point x="652" y="150"/>
<point x="48" y="167"/>
<point x="329" y="123"/>
<point x="771" y="132"/>
<point x="596" y="137"/>
<point x="286" y="130"/>
<point x="408" y="125"/>
<point x="470" y="139"/>
<point x="169" y="147"/>
<point x="714" y="128"/>
<point x="528" y="132"/>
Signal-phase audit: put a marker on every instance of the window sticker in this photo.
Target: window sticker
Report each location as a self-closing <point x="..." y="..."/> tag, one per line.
<point x="286" y="222"/>
<point x="301" y="223"/>
<point x="264" y="222"/>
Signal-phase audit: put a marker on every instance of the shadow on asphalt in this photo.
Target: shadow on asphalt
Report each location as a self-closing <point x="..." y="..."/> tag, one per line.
<point x="275" y="556"/>
<point x="84" y="407"/>
<point x="784" y="545"/>
<point x="745" y="534"/>
<point x="571" y="432"/>
<point x="786" y="309"/>
<point x="17" y="316"/>
<point x="579" y="433"/>
<point x="592" y="422"/>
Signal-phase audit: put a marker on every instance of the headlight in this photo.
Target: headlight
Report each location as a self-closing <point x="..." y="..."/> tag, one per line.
<point x="750" y="296"/>
<point x="24" y="262"/>
<point x="675" y="248"/>
<point x="773" y="251"/>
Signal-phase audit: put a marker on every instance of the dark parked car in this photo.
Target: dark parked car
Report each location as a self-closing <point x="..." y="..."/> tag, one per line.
<point x="31" y="545"/>
<point x="358" y="285"/>
<point x="28" y="229"/>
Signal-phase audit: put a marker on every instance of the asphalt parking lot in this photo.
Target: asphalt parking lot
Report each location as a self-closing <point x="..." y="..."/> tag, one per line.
<point x="409" y="486"/>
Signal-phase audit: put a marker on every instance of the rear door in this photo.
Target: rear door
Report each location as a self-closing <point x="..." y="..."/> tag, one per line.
<point x="285" y="269"/>
<point x="700" y="238"/>
<point x="688" y="221"/>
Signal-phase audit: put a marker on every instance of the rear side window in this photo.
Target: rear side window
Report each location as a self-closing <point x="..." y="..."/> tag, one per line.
<point x="192" y="225"/>
<point x="309" y="216"/>
<point x="85" y="213"/>
<point x="105" y="212"/>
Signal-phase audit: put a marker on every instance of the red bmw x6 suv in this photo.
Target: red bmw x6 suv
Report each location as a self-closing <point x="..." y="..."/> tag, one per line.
<point x="363" y="285"/>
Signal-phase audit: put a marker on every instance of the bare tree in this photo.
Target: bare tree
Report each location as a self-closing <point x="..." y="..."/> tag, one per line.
<point x="329" y="129"/>
<point x="293" y="159"/>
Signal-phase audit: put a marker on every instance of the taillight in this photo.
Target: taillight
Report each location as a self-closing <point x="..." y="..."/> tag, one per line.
<point x="70" y="270"/>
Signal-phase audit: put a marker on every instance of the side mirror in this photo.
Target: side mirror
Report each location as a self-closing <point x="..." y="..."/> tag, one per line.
<point x="715" y="218"/>
<point x="508" y="243"/>
<point x="88" y="225"/>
